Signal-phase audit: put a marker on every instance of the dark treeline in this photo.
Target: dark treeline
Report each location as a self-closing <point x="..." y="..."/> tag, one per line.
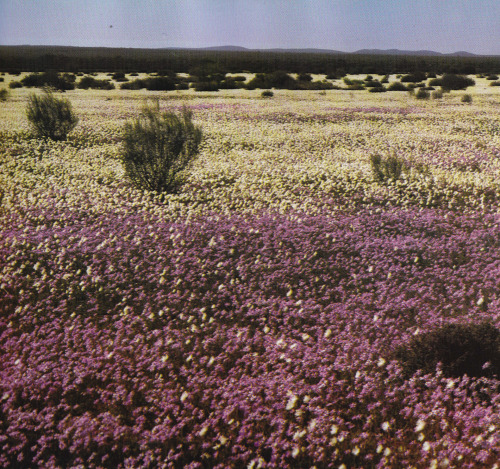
<point x="87" y="59"/>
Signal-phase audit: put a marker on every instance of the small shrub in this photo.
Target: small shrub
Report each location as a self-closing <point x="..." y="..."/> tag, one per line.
<point x="15" y="84"/>
<point x="397" y="86"/>
<point x="267" y="94"/>
<point x="304" y="77"/>
<point x="2" y="79"/>
<point x="422" y="94"/>
<point x="4" y="94"/>
<point x="466" y="98"/>
<point x="158" y="147"/>
<point x="495" y="83"/>
<point x="492" y="77"/>
<point x="472" y="349"/>
<point x="90" y="82"/>
<point x="437" y="94"/>
<point x="385" y="169"/>
<point x="451" y="81"/>
<point x="377" y="89"/>
<point x="50" y="116"/>
<point x="414" y="77"/>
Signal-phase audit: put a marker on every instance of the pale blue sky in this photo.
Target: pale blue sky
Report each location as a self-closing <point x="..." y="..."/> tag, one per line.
<point x="347" y="25"/>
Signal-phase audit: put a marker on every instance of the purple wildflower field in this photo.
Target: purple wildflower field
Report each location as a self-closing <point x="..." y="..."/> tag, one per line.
<point x="251" y="318"/>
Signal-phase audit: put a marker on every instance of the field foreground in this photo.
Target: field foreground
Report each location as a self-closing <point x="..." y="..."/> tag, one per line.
<point x="250" y="319"/>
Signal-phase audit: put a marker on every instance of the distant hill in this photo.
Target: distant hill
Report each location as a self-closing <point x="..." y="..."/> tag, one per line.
<point x="312" y="50"/>
<point x="412" y="52"/>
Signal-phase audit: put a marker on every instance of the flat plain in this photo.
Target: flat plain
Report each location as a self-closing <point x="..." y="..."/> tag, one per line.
<point x="251" y="318"/>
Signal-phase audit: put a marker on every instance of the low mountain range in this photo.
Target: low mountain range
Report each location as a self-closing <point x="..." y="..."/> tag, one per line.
<point x="360" y="52"/>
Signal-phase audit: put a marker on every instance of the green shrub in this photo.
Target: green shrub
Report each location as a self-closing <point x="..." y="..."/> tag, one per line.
<point x="15" y="84"/>
<point x="377" y="89"/>
<point x="50" y="116"/>
<point x="158" y="147"/>
<point x="422" y="94"/>
<point x="492" y="77"/>
<point x="4" y="94"/>
<point x="397" y="86"/>
<point x="414" y="77"/>
<point x="437" y="94"/>
<point x="267" y="94"/>
<point x="385" y="169"/>
<point x="90" y="82"/>
<point x="466" y="98"/>
<point x="495" y="83"/>
<point x="472" y="349"/>
<point x="304" y="77"/>
<point x="451" y="81"/>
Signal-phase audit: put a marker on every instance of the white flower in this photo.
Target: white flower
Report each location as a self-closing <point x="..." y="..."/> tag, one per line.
<point x="385" y="426"/>
<point x="334" y="429"/>
<point x="420" y="425"/>
<point x="292" y="402"/>
<point x="426" y="446"/>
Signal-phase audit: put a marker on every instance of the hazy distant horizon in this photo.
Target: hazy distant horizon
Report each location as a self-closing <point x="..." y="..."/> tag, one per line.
<point x="342" y="25"/>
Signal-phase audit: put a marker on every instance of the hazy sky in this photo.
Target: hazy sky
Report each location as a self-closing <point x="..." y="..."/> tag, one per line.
<point x="346" y="25"/>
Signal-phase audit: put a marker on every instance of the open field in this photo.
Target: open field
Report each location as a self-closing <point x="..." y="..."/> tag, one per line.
<point x="251" y="318"/>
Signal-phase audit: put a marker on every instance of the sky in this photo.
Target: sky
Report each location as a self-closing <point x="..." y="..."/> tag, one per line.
<point x="346" y="25"/>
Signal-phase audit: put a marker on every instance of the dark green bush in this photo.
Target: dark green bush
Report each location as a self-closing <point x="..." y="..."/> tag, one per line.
<point x="495" y="83"/>
<point x="50" y="116"/>
<point x="267" y="94"/>
<point x="52" y="79"/>
<point x="422" y="94"/>
<point x="466" y="98"/>
<point x="15" y="84"/>
<point x="437" y="94"/>
<point x="385" y="169"/>
<point x="4" y="94"/>
<point x="451" y="81"/>
<point x="377" y="89"/>
<point x="158" y="147"/>
<point x="304" y="77"/>
<point x="90" y="82"/>
<point x="397" y="86"/>
<point x="471" y="349"/>
<point x="414" y="77"/>
<point x="492" y="77"/>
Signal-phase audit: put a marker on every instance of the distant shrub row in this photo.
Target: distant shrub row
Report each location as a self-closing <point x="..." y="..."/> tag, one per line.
<point x="209" y="79"/>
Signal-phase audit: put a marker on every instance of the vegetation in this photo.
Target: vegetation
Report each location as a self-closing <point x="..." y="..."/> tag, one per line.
<point x="422" y="94"/>
<point x="466" y="98"/>
<point x="158" y="147"/>
<point x="4" y="94"/>
<point x="453" y="82"/>
<point x="387" y="169"/>
<point x="267" y="94"/>
<point x="472" y="350"/>
<point x="87" y="59"/>
<point x="50" y="116"/>
<point x="90" y="82"/>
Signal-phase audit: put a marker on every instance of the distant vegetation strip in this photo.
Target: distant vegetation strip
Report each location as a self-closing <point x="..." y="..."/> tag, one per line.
<point x="89" y="59"/>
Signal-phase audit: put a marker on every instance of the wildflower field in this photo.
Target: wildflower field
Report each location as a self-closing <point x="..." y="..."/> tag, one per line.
<point x="251" y="318"/>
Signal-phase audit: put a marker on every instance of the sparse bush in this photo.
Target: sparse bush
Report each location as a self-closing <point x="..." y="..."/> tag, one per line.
<point x="437" y="94"/>
<point x="472" y="349"/>
<point x="50" y="116"/>
<point x="414" y="77"/>
<point x="267" y="94"/>
<point x="492" y="77"/>
<point x="90" y="82"/>
<point x="52" y="79"/>
<point x="466" y="98"/>
<point x="422" y="94"/>
<point x="15" y="84"/>
<point x="397" y="86"/>
<point x="495" y="83"/>
<point x="4" y="94"/>
<point x="385" y="169"/>
<point x="451" y="81"/>
<point x="158" y="147"/>
<point x="304" y="77"/>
